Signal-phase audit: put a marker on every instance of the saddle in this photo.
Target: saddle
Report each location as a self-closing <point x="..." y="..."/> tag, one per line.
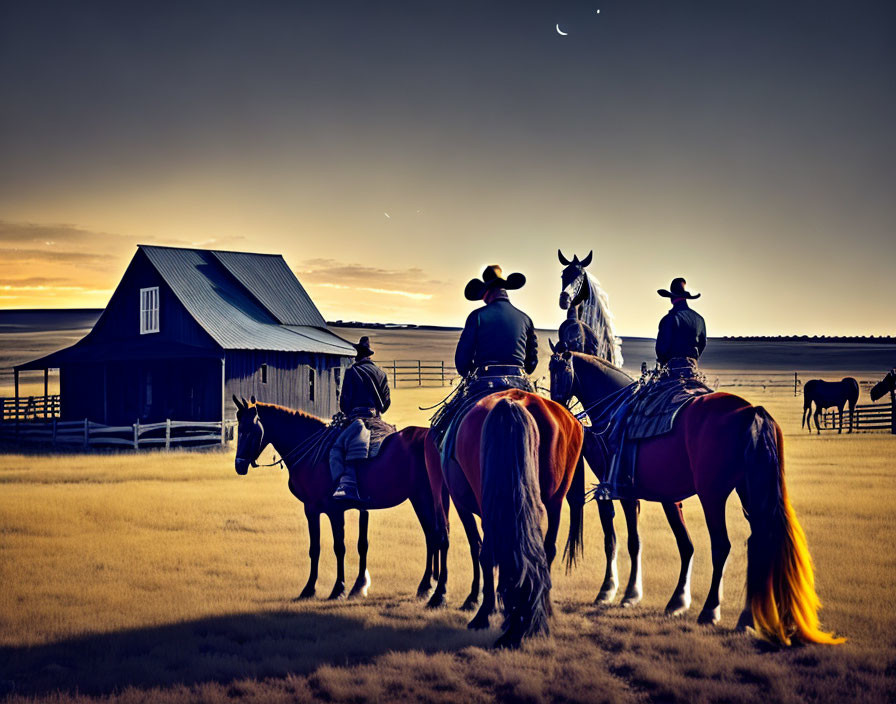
<point x="480" y="383"/>
<point x="648" y="411"/>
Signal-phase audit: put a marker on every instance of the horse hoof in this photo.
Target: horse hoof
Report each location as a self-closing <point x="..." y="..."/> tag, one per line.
<point x="358" y="591"/>
<point x="337" y="594"/>
<point x="506" y="640"/>
<point x="305" y="595"/>
<point x="470" y="604"/>
<point x="479" y="623"/>
<point x="423" y="592"/>
<point x="436" y="601"/>
<point x="710" y="617"/>
<point x="677" y="607"/>
<point x="630" y="601"/>
<point x="745" y="621"/>
<point x="605" y="597"/>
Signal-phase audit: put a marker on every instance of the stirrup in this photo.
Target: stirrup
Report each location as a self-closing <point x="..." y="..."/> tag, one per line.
<point x="602" y="492"/>
<point x="346" y="492"/>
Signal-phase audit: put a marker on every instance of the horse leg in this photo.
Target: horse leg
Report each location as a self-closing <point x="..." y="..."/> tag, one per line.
<point x="337" y="521"/>
<point x="817" y="414"/>
<point x="611" y="578"/>
<point x="840" y="430"/>
<point x="427" y="522"/>
<point x="469" y="523"/>
<point x="631" y="508"/>
<point x="487" y="608"/>
<point x="714" y="510"/>
<point x="550" y="536"/>
<point x="313" y="518"/>
<point x="681" y="597"/>
<point x="362" y="583"/>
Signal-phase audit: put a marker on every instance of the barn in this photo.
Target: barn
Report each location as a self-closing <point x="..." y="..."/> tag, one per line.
<point x="186" y="328"/>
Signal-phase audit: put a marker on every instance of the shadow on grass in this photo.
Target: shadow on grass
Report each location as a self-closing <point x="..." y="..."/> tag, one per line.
<point x="216" y="649"/>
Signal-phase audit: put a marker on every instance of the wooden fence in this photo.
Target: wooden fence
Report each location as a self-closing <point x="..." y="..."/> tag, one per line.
<point x="867" y="416"/>
<point x="85" y="434"/>
<point x="419" y="372"/>
<point x="29" y="408"/>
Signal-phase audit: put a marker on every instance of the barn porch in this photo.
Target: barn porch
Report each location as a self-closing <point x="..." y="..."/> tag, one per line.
<point x="123" y="383"/>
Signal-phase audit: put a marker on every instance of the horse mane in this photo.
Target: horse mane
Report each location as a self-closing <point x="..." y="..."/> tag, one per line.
<point x="292" y="412"/>
<point x="595" y="313"/>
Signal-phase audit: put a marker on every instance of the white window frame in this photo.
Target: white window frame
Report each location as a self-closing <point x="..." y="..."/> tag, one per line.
<point x="149" y="310"/>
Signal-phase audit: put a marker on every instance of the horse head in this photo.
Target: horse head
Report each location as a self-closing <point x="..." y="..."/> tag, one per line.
<point x="562" y="373"/>
<point x="572" y="280"/>
<point x="250" y="435"/>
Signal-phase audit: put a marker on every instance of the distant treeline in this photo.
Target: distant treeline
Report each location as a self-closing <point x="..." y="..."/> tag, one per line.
<point x="851" y="339"/>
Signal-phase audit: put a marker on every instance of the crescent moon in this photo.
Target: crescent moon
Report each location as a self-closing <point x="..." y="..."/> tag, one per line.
<point x="561" y="32"/>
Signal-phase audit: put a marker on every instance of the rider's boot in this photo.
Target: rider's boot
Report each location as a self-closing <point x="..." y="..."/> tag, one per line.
<point x="347" y="489"/>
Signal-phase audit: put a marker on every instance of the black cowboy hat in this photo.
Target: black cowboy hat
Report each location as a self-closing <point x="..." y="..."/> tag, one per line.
<point x="492" y="277"/>
<point x="363" y="347"/>
<point x="677" y="290"/>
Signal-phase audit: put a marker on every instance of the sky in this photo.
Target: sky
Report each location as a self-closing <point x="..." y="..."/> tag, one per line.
<point x="391" y="150"/>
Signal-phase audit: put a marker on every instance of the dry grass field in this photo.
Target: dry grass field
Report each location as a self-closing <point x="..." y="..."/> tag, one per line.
<point x="166" y="577"/>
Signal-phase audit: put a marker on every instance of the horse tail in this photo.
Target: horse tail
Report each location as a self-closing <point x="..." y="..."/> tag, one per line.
<point x="511" y="520"/>
<point x="575" y="497"/>
<point x="780" y="578"/>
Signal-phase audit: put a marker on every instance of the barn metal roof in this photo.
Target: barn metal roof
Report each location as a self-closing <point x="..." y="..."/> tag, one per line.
<point x="241" y="299"/>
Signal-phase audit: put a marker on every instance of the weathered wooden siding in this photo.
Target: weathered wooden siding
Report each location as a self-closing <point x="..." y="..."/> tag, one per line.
<point x="288" y="380"/>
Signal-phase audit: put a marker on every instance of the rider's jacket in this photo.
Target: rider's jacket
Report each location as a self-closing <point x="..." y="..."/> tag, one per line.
<point x="497" y="334"/>
<point x="682" y="333"/>
<point x="365" y="390"/>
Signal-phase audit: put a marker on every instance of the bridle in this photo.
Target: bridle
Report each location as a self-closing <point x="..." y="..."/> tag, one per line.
<point x="572" y="290"/>
<point x="312" y="443"/>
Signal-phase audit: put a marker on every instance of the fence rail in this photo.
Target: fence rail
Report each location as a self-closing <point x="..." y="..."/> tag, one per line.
<point x="86" y="434"/>
<point x="419" y="372"/>
<point x="29" y="407"/>
<point x="868" y="416"/>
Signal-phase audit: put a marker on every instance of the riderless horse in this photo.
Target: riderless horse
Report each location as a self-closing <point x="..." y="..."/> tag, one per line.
<point x="828" y="394"/>
<point x="398" y="472"/>
<point x="590" y="330"/>
<point x="720" y="443"/>
<point x="514" y="459"/>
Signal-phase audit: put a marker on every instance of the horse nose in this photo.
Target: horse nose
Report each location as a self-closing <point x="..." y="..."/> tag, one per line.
<point x="564" y="300"/>
<point x="241" y="466"/>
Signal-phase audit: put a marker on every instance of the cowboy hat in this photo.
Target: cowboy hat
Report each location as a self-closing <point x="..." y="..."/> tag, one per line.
<point x="492" y="277"/>
<point x="677" y="290"/>
<point x="363" y="347"/>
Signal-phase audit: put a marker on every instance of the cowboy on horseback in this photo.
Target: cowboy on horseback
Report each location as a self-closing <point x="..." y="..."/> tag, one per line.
<point x="681" y="338"/>
<point x="496" y="350"/>
<point x="365" y="396"/>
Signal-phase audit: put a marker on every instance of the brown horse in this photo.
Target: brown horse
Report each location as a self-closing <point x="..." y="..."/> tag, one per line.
<point x="397" y="473"/>
<point x="515" y="457"/>
<point x="719" y="444"/>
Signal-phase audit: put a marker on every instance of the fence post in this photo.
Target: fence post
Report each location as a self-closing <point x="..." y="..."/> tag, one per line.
<point x="394" y="375"/>
<point x="168" y="433"/>
<point x="893" y="412"/>
<point x="419" y="374"/>
<point x="443" y="372"/>
<point x="86" y="434"/>
<point x="137" y="435"/>
<point x="796" y="381"/>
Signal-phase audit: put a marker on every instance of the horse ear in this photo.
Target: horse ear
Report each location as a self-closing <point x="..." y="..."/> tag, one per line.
<point x="587" y="260"/>
<point x="563" y="260"/>
<point x="237" y="402"/>
<point x="551" y="345"/>
<point x="252" y="400"/>
<point x="245" y="402"/>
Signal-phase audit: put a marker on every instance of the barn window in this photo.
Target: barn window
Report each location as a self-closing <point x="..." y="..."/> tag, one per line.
<point x="264" y="373"/>
<point x="149" y="310"/>
<point x="311" y="384"/>
<point x="337" y="379"/>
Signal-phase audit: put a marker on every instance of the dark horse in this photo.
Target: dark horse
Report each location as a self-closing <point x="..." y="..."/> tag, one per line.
<point x="515" y="457"/>
<point x="588" y="329"/>
<point x="719" y="444"/>
<point x="397" y="473"/>
<point x="827" y="394"/>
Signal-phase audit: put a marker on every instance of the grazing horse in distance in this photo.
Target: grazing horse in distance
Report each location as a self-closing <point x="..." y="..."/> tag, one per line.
<point x="720" y="443"/>
<point x="827" y="394"/>
<point x="514" y="460"/>
<point x="398" y="472"/>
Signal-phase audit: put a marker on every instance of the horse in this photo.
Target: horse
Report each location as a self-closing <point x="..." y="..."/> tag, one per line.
<point x="589" y="329"/>
<point x="827" y="394"/>
<point x="515" y="457"/>
<point x="398" y="472"/>
<point x="721" y="443"/>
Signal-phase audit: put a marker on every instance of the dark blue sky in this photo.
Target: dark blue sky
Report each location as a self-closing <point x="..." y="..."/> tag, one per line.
<point x="746" y="145"/>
